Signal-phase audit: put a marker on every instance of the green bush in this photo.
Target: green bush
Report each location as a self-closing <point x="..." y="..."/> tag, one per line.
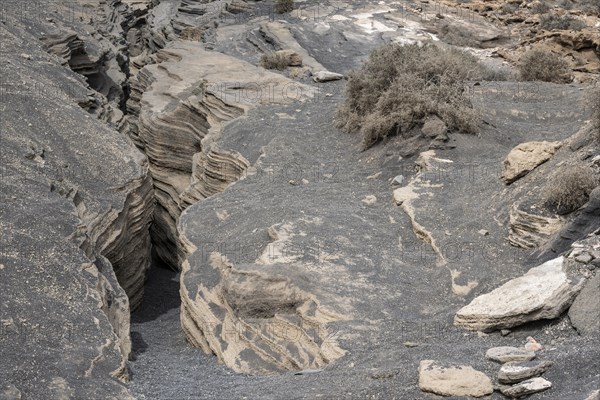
<point x="570" y="189"/>
<point x="551" y="22"/>
<point x="274" y="61"/>
<point x="544" y="65"/>
<point x="284" y="6"/>
<point x="398" y="86"/>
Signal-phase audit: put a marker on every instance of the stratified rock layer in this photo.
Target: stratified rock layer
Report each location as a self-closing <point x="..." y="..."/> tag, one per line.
<point x="76" y="208"/>
<point x="528" y="230"/>
<point x="177" y="107"/>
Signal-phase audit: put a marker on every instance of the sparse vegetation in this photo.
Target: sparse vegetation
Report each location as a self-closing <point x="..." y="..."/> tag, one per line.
<point x="509" y="8"/>
<point x="544" y="65"/>
<point x="551" y="22"/>
<point x="457" y="36"/>
<point x="398" y="86"/>
<point x="566" y="4"/>
<point x="540" y="7"/>
<point x="590" y="6"/>
<point x="284" y="6"/>
<point x="570" y="189"/>
<point x="274" y="61"/>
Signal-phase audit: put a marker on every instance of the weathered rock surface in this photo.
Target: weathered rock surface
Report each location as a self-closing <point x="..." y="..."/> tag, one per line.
<point x="583" y="223"/>
<point x="517" y="371"/>
<point x="585" y="310"/>
<point x="453" y="380"/>
<point x="529" y="230"/>
<point x="527" y="387"/>
<point x="506" y="354"/>
<point x="182" y="101"/>
<point x="544" y="292"/>
<point x="76" y="208"/>
<point x="525" y="157"/>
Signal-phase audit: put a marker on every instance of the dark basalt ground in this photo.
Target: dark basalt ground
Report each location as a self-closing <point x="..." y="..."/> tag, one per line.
<point x="53" y="329"/>
<point x="405" y="297"/>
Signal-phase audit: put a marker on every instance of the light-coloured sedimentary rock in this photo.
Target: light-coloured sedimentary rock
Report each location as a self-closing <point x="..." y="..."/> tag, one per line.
<point x="517" y="371"/>
<point x="544" y="292"/>
<point x="505" y="354"/>
<point x="253" y="318"/>
<point x="177" y="107"/>
<point x="528" y="230"/>
<point x="453" y="380"/>
<point x="326" y="76"/>
<point x="525" y="157"/>
<point x="524" y="388"/>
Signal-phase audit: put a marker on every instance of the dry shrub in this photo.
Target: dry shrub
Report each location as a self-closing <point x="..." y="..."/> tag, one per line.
<point x="284" y="6"/>
<point x="274" y="61"/>
<point x="551" y="22"/>
<point x="570" y="189"/>
<point x="457" y="35"/>
<point x="544" y="65"/>
<point x="398" y="86"/>
<point x="590" y="6"/>
<point x="540" y="7"/>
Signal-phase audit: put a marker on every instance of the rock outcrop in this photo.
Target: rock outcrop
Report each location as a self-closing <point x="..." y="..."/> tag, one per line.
<point x="530" y="229"/>
<point x="76" y="210"/>
<point x="176" y="110"/>
<point x="544" y="292"/>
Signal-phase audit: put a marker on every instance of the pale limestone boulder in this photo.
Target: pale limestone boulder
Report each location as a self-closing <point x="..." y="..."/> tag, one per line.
<point x="453" y="380"/>
<point x="526" y="157"/>
<point x="506" y="354"/>
<point x="326" y="76"/>
<point x="517" y="371"/>
<point x="524" y="388"/>
<point x="544" y="292"/>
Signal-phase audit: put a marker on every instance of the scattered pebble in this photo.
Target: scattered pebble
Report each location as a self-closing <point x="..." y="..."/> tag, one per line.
<point x="370" y="200"/>
<point x="533" y="345"/>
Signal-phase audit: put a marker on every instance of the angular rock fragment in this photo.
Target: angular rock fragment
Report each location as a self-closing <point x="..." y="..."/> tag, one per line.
<point x="517" y="371"/>
<point x="506" y="354"/>
<point x="544" y="292"/>
<point x="524" y="388"/>
<point x="453" y="380"/>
